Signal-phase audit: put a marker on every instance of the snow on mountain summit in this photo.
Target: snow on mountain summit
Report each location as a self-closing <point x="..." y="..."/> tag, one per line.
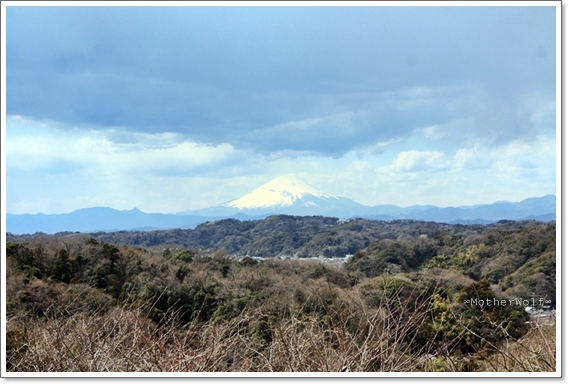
<point x="279" y="192"/>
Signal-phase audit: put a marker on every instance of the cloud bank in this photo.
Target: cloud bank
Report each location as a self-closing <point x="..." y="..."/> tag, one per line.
<point x="363" y="102"/>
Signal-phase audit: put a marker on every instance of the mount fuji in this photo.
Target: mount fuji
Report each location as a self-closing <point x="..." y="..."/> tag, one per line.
<point x="282" y="195"/>
<point x="285" y="195"/>
<point x="283" y="191"/>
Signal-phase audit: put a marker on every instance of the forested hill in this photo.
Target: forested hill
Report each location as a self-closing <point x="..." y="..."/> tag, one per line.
<point x="292" y="236"/>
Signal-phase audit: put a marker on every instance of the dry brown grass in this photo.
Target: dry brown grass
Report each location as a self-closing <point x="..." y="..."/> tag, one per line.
<point x="125" y="340"/>
<point x="348" y="338"/>
<point x="535" y="352"/>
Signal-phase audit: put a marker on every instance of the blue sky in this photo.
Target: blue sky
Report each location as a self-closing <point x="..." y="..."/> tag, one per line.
<point x="170" y="109"/>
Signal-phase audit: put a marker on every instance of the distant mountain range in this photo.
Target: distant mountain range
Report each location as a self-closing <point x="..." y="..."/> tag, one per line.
<point x="282" y="195"/>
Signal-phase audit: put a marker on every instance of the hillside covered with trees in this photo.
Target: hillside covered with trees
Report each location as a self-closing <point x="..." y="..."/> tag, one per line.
<point x="197" y="301"/>
<point x="288" y="236"/>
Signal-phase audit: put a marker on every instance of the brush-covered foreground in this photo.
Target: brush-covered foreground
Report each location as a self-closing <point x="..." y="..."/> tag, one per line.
<point x="396" y="306"/>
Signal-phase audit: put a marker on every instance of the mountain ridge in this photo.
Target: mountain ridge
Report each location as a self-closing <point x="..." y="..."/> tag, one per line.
<point x="282" y="195"/>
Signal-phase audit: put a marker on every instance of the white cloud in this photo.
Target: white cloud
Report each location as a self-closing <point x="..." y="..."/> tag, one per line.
<point x="359" y="166"/>
<point x="515" y="156"/>
<point x="419" y="161"/>
<point x="168" y="173"/>
<point x="179" y="159"/>
<point x="54" y="151"/>
<point x="472" y="158"/>
<point x="520" y="156"/>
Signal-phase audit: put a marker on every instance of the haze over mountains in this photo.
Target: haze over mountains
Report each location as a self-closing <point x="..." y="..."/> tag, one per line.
<point x="282" y="195"/>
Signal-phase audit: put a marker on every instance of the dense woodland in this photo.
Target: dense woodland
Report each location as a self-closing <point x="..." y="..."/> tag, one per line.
<point x="196" y="300"/>
<point x="289" y="236"/>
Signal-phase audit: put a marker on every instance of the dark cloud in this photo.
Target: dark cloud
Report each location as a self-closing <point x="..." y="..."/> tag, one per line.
<point x="250" y="76"/>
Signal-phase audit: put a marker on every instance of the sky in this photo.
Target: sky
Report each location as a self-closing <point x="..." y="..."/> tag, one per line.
<point x="170" y="109"/>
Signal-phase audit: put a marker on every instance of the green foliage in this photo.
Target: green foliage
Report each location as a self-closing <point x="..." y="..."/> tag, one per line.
<point x="205" y="302"/>
<point x="248" y="261"/>
<point x="62" y="268"/>
<point x="284" y="235"/>
<point x="25" y="259"/>
<point x="185" y="256"/>
<point x="182" y="272"/>
<point x="493" y="318"/>
<point x="388" y="256"/>
<point x="262" y="331"/>
<point x="466" y="260"/>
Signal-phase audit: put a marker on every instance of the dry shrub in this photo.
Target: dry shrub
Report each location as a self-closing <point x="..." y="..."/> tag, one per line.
<point x="348" y="337"/>
<point x="534" y="352"/>
<point x="351" y="337"/>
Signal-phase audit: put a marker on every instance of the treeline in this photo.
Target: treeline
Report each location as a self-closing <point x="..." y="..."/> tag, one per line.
<point x="290" y="236"/>
<point x="76" y="304"/>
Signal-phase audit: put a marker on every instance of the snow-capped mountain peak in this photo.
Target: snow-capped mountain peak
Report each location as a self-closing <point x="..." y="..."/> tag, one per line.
<point x="279" y="192"/>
